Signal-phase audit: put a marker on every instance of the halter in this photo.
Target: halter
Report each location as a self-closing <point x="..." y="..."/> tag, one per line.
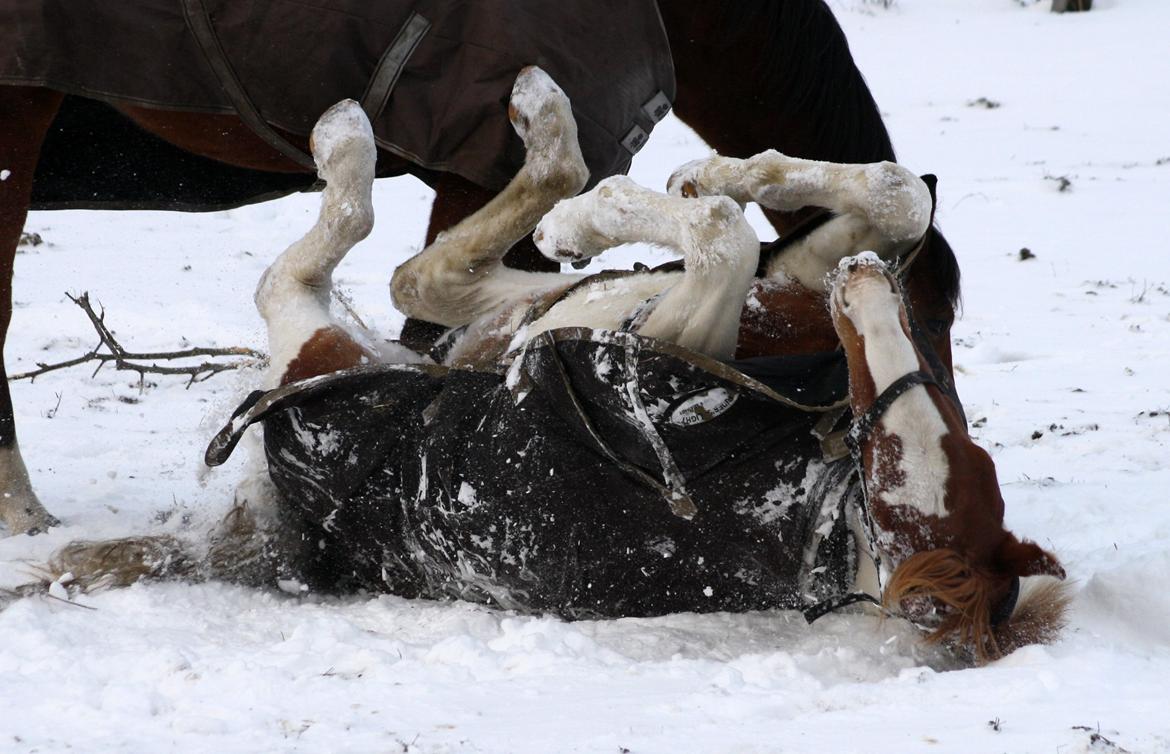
<point x="863" y="426"/>
<point x="858" y="433"/>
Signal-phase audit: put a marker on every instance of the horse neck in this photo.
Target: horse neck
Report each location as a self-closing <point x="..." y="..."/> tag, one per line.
<point x="778" y="75"/>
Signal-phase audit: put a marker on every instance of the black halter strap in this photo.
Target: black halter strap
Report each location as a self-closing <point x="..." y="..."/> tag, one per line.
<point x="864" y="424"/>
<point x="1004" y="610"/>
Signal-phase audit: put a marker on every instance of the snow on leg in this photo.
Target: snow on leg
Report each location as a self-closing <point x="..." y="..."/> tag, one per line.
<point x="880" y="207"/>
<point x="721" y="251"/>
<point x="293" y="294"/>
<point x="461" y="275"/>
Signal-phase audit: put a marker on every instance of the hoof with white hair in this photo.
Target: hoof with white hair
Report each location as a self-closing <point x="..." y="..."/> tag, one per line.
<point x="542" y="117"/>
<point x="342" y="127"/>
<point x="534" y="92"/>
<point x="712" y="176"/>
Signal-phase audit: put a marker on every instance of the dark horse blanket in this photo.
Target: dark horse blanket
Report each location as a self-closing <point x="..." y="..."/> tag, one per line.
<point x="558" y="485"/>
<point x="434" y="75"/>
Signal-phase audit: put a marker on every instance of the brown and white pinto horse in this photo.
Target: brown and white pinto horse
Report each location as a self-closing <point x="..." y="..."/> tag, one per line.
<point x="932" y="538"/>
<point x="751" y="77"/>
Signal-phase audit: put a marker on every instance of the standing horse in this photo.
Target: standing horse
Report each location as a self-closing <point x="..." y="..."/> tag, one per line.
<point x="752" y="78"/>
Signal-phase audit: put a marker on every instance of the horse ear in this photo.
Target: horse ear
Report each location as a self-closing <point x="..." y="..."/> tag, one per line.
<point x="1027" y="559"/>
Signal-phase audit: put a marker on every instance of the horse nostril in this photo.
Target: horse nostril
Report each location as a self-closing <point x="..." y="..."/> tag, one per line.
<point x="689" y="191"/>
<point x="853" y="266"/>
<point x="537" y="236"/>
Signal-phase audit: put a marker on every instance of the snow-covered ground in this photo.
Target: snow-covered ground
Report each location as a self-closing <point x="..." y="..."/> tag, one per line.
<point x="1062" y="363"/>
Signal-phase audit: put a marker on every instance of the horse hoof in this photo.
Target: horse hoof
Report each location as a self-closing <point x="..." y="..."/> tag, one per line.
<point x="342" y="123"/>
<point x="35" y="524"/>
<point x="43" y="528"/>
<point x="534" y="94"/>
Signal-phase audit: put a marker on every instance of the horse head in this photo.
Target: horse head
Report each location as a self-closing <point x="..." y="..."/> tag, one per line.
<point x="934" y="506"/>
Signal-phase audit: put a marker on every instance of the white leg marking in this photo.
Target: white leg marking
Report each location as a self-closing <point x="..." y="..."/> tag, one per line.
<point x="880" y="206"/>
<point x="701" y="308"/>
<point x="293" y="294"/>
<point x="460" y="277"/>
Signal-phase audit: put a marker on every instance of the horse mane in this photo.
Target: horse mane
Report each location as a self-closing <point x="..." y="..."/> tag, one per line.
<point x="808" y="68"/>
<point x="945" y="575"/>
<point x="945" y="266"/>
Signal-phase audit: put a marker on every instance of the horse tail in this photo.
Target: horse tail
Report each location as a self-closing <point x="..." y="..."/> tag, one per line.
<point x="93" y="565"/>
<point x="241" y="550"/>
<point x="946" y="576"/>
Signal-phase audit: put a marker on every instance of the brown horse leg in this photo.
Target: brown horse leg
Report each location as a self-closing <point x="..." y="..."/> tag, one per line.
<point x="460" y="276"/>
<point x="25" y="116"/>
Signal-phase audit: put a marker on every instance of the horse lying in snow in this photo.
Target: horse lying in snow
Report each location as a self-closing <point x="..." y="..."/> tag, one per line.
<point x="920" y="524"/>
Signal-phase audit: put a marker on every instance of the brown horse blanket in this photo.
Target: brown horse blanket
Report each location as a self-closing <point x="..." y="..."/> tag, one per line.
<point x="435" y="74"/>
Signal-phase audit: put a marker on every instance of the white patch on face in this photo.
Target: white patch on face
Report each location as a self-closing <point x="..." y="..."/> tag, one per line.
<point x="913" y="418"/>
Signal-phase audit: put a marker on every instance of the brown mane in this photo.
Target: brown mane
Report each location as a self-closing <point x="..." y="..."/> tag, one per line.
<point x="946" y="576"/>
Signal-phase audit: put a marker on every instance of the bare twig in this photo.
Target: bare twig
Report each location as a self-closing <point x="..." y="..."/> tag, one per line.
<point x="346" y="302"/>
<point x="124" y="360"/>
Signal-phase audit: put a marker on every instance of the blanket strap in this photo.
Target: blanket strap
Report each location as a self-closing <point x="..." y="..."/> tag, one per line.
<point x="680" y="503"/>
<point x="200" y="24"/>
<point x="390" y="67"/>
<point x="832" y="605"/>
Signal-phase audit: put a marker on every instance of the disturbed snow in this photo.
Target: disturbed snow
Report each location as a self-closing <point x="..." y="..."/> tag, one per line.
<point x="1061" y="362"/>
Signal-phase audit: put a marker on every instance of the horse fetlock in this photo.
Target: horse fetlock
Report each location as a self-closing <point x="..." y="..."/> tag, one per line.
<point x="722" y="235"/>
<point x="350" y="221"/>
<point x="710" y="176"/>
<point x="26" y="517"/>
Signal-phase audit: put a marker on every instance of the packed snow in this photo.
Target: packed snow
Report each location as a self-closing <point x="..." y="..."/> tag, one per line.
<point x="1048" y="134"/>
